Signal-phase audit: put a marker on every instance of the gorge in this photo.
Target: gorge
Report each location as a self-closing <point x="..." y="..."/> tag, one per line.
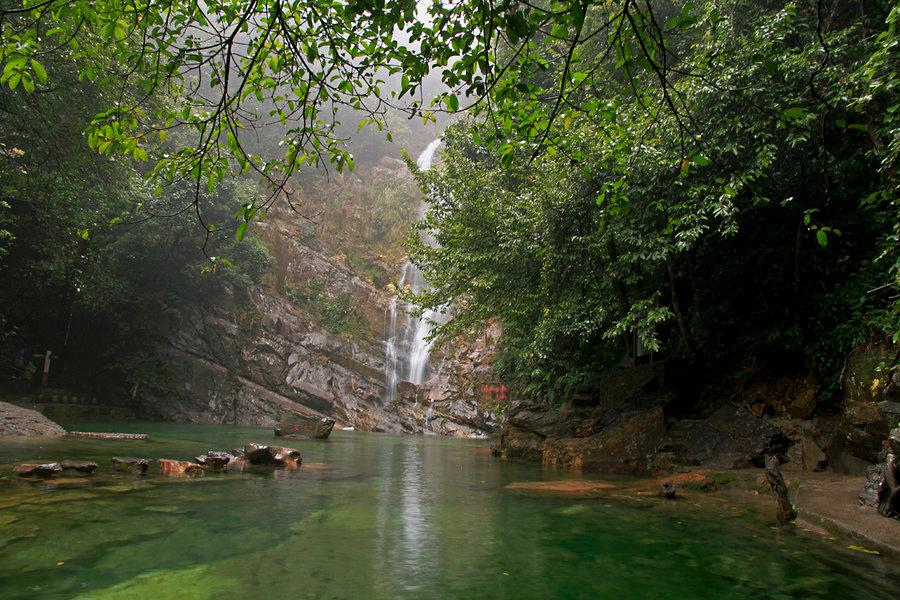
<point x="444" y="299"/>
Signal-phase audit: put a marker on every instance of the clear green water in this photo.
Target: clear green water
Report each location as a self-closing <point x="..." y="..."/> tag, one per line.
<point x="394" y="517"/>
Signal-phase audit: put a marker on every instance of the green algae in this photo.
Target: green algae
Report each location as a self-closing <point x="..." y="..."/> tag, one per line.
<point x="189" y="584"/>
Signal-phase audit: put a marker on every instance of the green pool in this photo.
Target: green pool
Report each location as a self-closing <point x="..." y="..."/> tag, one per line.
<point x="386" y="517"/>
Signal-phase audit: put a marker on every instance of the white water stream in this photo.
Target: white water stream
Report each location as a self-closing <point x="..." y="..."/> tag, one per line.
<point x="407" y="350"/>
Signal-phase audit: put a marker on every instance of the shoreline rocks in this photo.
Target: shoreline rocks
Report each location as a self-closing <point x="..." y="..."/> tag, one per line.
<point x="214" y="460"/>
<point x="115" y="437"/>
<point x="131" y="464"/>
<point x="278" y="456"/>
<point x="80" y="466"/>
<point x="37" y="469"/>
<point x="16" y="420"/>
<point x="178" y="467"/>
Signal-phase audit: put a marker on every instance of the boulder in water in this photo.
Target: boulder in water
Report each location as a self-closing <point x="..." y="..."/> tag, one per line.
<point x="214" y="460"/>
<point x="130" y="464"/>
<point x="278" y="456"/>
<point x="178" y="467"/>
<point x="80" y="466"/>
<point x="37" y="469"/>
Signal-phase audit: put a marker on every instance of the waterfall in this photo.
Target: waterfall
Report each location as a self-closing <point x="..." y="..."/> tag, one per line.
<point x="406" y="349"/>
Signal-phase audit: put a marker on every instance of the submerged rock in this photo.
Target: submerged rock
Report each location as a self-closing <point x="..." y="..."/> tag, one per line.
<point x="130" y="464"/>
<point x="37" y="469"/>
<point x="81" y="466"/>
<point x="565" y="487"/>
<point x="178" y="467"/>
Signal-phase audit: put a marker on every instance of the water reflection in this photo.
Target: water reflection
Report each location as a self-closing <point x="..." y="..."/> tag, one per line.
<point x="392" y="517"/>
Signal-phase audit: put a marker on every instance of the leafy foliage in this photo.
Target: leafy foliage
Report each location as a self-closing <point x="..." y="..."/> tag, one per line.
<point x="743" y="203"/>
<point x="336" y="312"/>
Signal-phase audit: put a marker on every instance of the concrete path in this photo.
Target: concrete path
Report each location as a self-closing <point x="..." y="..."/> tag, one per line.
<point x="832" y="501"/>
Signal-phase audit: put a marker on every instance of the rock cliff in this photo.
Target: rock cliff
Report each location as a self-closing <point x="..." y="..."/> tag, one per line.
<point x="309" y="338"/>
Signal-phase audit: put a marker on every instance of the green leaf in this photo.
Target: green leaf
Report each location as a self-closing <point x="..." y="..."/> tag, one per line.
<point x="241" y="230"/>
<point x="822" y="238"/>
<point x="452" y="102"/>
<point x="795" y="113"/>
<point x="39" y="71"/>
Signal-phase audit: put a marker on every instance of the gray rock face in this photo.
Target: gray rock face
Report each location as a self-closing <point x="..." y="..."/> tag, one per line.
<point x="15" y="420"/>
<point x="729" y="439"/>
<point x="247" y="360"/>
<point x="871" y="400"/>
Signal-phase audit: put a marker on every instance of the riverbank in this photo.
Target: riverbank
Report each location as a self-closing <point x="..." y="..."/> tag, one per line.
<point x="833" y="501"/>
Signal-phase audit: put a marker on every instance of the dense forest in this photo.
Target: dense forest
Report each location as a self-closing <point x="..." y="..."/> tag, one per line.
<point x="710" y="182"/>
<point x="731" y="204"/>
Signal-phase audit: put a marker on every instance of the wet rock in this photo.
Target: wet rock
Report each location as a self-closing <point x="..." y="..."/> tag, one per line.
<point x="178" y="467"/>
<point x="37" y="469"/>
<point x="130" y="464"/>
<point x="407" y="390"/>
<point x="15" y="420"/>
<point x="214" y="460"/>
<point x="278" y="456"/>
<point x="668" y="491"/>
<point x="80" y="466"/>
<point x="109" y="436"/>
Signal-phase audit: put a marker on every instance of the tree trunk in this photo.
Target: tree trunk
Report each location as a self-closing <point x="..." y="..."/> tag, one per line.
<point x="786" y="512"/>
<point x="679" y="312"/>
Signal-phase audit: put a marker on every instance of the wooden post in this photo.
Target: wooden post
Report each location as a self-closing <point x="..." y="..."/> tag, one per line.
<point x="45" y="378"/>
<point x="786" y="512"/>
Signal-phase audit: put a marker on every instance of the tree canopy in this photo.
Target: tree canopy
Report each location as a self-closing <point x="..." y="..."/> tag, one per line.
<point x="745" y="206"/>
<point x="630" y="170"/>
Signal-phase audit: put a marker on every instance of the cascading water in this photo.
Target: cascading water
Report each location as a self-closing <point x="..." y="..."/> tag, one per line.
<point x="407" y="349"/>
